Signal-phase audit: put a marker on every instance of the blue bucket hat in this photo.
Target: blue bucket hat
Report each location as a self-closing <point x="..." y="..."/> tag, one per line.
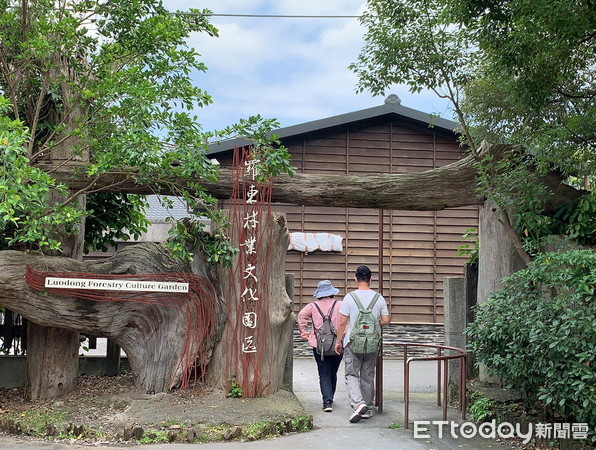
<point x="325" y="289"/>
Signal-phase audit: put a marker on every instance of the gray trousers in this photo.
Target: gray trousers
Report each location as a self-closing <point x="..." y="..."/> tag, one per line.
<point x="360" y="377"/>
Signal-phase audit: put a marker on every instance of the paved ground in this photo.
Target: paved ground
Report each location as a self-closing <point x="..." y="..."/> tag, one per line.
<point x="333" y="430"/>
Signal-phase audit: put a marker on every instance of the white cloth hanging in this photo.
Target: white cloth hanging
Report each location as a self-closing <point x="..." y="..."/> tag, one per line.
<point x="309" y="242"/>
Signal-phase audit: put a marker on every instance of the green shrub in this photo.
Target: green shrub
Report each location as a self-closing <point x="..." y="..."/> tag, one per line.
<point x="538" y="333"/>
<point x="235" y="390"/>
<point x="481" y="408"/>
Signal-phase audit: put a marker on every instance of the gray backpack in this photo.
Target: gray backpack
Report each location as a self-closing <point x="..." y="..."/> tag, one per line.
<point x="326" y="334"/>
<point x="365" y="335"/>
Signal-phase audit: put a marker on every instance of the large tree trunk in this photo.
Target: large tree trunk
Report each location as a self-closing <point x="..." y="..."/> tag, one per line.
<point x="52" y="361"/>
<point x="497" y="259"/>
<point x="153" y="336"/>
<point x="450" y="186"/>
<point x="52" y="353"/>
<point x="227" y="359"/>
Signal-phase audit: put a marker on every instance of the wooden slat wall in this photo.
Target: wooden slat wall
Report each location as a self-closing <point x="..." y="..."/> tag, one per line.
<point x="419" y="247"/>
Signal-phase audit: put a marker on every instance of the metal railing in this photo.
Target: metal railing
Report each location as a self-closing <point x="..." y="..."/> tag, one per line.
<point x="458" y="354"/>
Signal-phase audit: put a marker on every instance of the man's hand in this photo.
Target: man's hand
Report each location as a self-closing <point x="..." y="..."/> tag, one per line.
<point x="338" y="346"/>
<point x="341" y="330"/>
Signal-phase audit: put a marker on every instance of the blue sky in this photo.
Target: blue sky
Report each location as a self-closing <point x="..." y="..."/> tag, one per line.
<point x="294" y="70"/>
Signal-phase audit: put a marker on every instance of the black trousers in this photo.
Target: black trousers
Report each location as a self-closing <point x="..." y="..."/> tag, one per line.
<point x="327" y="368"/>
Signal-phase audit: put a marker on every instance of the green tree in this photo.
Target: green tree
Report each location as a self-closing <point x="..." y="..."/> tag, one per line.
<point x="414" y="42"/>
<point x="538" y="333"/>
<point x="104" y="84"/>
<point x="516" y="72"/>
<point x="21" y="184"/>
<point x="536" y="83"/>
<point x="103" y="92"/>
<point x="96" y="87"/>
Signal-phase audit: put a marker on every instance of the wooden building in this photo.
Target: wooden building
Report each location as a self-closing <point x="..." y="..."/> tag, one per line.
<point x="416" y="250"/>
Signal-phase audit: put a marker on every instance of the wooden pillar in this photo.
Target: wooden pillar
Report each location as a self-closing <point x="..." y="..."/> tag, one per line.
<point x="379" y="365"/>
<point x="288" y="376"/>
<point x="53" y="354"/>
<point x="54" y="370"/>
<point x="112" y="359"/>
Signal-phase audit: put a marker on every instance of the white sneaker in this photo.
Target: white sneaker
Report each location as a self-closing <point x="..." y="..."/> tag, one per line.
<point x="368" y="414"/>
<point x="358" y="412"/>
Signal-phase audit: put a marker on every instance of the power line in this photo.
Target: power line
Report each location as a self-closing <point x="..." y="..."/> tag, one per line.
<point x="266" y="16"/>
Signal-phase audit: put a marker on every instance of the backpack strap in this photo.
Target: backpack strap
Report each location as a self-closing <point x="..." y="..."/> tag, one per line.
<point x="330" y="310"/>
<point x="357" y="300"/>
<point x="374" y="300"/>
<point x="371" y="304"/>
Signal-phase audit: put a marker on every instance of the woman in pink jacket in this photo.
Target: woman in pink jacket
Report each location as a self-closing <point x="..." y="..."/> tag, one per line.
<point x="327" y="364"/>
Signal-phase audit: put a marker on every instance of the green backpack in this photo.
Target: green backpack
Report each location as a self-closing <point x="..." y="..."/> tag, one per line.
<point x="365" y="335"/>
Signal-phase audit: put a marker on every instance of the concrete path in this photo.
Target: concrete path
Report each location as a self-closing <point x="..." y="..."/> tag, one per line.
<point x="333" y="430"/>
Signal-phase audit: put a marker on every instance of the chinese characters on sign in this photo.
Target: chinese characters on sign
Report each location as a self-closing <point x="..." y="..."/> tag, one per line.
<point x="248" y="289"/>
<point x="561" y="430"/>
<point x="502" y="430"/>
<point x="250" y="224"/>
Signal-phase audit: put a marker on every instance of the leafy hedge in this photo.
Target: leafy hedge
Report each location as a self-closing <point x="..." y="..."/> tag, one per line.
<point x="538" y="333"/>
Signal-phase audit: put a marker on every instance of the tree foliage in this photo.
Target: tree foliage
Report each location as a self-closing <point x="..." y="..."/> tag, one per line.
<point x="106" y="87"/>
<point x="106" y="83"/>
<point x="414" y="42"/>
<point x="535" y="85"/>
<point x="517" y="72"/>
<point x="25" y="217"/>
<point x="539" y="333"/>
<point x="109" y="217"/>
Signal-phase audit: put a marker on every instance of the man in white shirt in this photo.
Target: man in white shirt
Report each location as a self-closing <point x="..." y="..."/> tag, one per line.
<point x="360" y="369"/>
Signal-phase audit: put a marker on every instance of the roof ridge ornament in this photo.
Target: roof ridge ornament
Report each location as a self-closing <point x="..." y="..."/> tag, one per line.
<point x="393" y="99"/>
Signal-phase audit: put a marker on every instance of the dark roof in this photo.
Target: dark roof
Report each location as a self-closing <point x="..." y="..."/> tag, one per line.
<point x="390" y="107"/>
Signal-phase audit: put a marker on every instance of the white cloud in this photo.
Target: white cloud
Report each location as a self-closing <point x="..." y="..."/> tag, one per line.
<point x="217" y="6"/>
<point x="236" y="46"/>
<point x="317" y="7"/>
<point x="293" y="69"/>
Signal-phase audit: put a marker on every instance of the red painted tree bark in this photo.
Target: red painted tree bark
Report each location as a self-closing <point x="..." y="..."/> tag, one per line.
<point x="153" y="336"/>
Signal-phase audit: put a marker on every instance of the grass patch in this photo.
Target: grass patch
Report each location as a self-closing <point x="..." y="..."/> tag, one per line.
<point x="35" y="422"/>
<point x="155" y="437"/>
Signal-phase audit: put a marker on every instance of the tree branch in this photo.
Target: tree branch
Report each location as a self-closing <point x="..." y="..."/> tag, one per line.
<point x="36" y="113"/>
<point x="517" y="243"/>
<point x="450" y="186"/>
<point x="10" y="85"/>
